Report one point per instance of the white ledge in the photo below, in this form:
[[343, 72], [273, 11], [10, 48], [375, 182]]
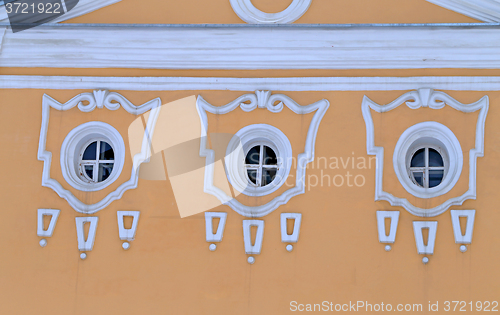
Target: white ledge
[[263, 47], [452, 83]]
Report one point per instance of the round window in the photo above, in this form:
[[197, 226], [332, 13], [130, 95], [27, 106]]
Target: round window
[[261, 165], [428, 159], [92, 156], [426, 167], [258, 160], [96, 161]]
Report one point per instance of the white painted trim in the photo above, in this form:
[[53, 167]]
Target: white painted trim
[[435, 100], [98, 99], [86, 244], [54, 213], [419, 237], [83, 7], [252, 47], [242, 142], [256, 248], [73, 145], [123, 233], [457, 231], [426, 133], [250, 14], [261, 101], [471, 83], [482, 10], [294, 237], [210, 235], [381, 216]]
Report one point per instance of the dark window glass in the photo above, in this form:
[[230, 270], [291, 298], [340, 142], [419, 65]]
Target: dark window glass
[[252, 175], [435, 177], [104, 171], [269, 156], [435, 159], [89, 170], [418, 159], [106, 152], [253, 155], [90, 151], [268, 176], [419, 178]]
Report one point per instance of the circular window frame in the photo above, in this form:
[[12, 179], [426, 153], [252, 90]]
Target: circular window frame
[[415, 148], [238, 147], [74, 145], [81, 169], [433, 135]]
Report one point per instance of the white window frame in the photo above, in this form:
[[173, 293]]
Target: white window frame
[[428, 134], [426, 168], [259, 167], [74, 145], [95, 163], [237, 149]]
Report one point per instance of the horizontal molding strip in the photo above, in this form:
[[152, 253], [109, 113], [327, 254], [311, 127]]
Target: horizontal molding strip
[[246, 48], [451, 83]]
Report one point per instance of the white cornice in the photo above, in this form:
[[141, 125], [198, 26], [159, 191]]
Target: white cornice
[[482, 10], [252, 47], [450, 83]]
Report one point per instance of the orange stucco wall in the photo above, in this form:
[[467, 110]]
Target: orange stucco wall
[[169, 269]]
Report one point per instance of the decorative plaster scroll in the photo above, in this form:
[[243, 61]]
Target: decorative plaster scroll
[[127, 234], [264, 100], [381, 216], [86, 244], [472, 83], [265, 47], [435, 100], [294, 237], [54, 215], [483, 10], [465, 238], [250, 14], [210, 235], [97, 99], [418, 226]]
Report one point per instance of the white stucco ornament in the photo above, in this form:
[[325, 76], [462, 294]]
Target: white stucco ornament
[[250, 14], [426, 97], [274, 103], [97, 99]]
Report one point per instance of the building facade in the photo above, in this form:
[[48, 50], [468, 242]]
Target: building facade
[[251, 157]]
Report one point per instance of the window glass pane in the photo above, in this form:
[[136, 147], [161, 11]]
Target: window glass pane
[[106, 153], [418, 159], [268, 176], [253, 155], [418, 177], [435, 159], [89, 170], [269, 156], [90, 151], [104, 171], [435, 177], [252, 175]]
